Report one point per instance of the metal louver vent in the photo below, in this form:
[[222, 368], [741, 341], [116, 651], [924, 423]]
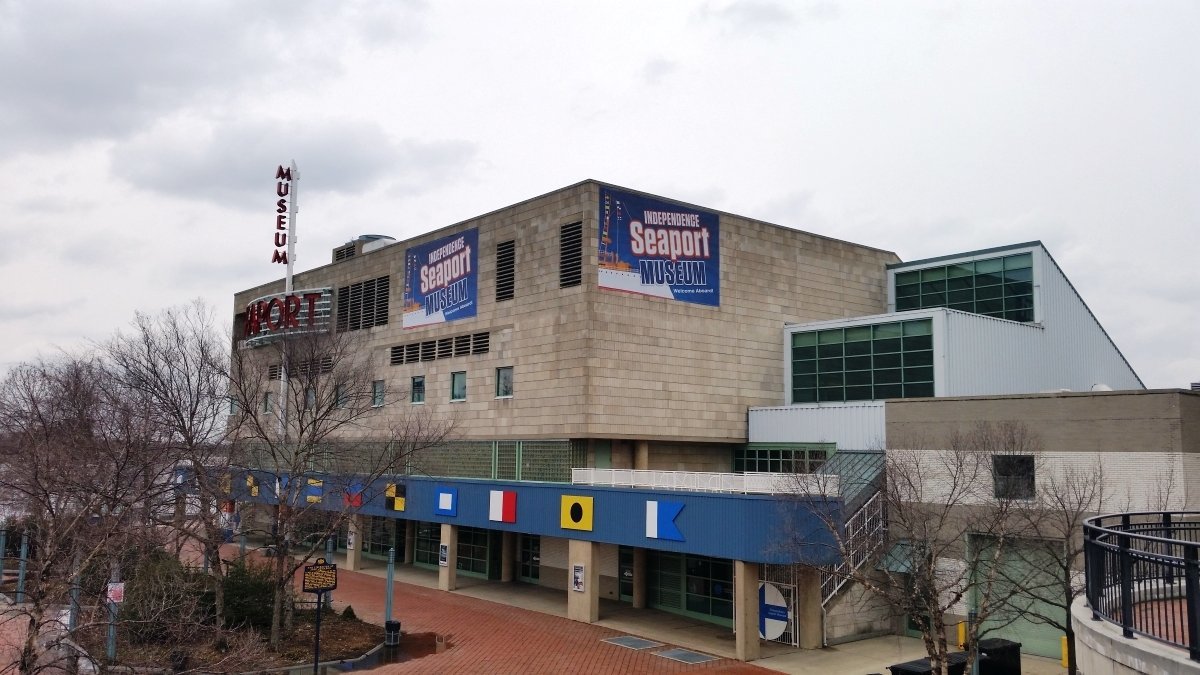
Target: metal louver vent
[[570, 265]]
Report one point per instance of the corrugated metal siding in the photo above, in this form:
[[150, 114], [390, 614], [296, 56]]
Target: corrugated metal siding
[[852, 426], [1068, 349]]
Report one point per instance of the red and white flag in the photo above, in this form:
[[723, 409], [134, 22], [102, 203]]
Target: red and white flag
[[503, 506]]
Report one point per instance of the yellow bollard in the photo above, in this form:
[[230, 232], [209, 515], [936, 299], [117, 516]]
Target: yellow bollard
[[962, 634], [1064, 652]]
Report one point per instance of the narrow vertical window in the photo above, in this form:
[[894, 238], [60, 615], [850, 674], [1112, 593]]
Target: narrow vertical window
[[233, 406], [310, 398], [341, 398], [268, 403], [458, 386], [570, 264], [506, 270], [418, 389], [377, 393], [504, 382]]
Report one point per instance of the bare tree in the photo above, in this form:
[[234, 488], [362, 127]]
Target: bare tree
[[177, 362], [81, 463], [316, 435], [947, 531]]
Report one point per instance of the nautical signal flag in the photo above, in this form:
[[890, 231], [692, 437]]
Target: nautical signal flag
[[394, 497], [660, 520], [312, 491], [575, 513], [446, 501], [352, 496], [252, 485], [502, 506]]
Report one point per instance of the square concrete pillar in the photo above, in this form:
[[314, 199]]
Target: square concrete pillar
[[583, 604], [448, 575], [745, 610], [641, 455], [808, 608], [639, 578], [508, 556], [410, 541], [354, 542]]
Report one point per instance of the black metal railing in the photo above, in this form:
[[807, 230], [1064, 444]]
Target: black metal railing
[[1143, 574]]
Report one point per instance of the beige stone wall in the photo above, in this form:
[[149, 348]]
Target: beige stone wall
[[591, 363], [1163, 421]]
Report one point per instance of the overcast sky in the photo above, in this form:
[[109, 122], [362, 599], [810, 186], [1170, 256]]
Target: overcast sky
[[138, 140]]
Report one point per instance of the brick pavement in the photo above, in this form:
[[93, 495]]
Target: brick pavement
[[488, 637]]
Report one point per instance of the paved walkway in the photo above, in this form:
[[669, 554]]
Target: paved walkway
[[492, 627]]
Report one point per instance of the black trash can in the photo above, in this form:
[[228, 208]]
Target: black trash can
[[391, 633], [1003, 657], [957, 662]]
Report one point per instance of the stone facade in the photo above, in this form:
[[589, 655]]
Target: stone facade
[[591, 363]]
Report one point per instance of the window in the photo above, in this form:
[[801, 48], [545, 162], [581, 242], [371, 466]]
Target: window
[[233, 406], [570, 263], [458, 386], [863, 363], [418, 389], [363, 305], [310, 398], [999, 287], [268, 403], [504, 382], [782, 458], [341, 398], [377, 390], [506, 265], [1013, 476]]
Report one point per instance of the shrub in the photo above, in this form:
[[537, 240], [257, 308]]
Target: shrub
[[248, 595], [348, 613]]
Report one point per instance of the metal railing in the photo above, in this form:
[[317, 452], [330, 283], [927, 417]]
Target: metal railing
[[1143, 574], [864, 534], [709, 481]]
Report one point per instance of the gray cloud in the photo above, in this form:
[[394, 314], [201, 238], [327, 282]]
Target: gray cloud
[[750, 15], [657, 69], [234, 164], [78, 70]]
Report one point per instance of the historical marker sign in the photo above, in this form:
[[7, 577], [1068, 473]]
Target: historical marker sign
[[320, 577]]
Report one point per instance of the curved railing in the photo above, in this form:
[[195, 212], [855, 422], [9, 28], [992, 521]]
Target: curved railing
[[1143, 574]]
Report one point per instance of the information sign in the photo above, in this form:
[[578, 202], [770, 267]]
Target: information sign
[[320, 577]]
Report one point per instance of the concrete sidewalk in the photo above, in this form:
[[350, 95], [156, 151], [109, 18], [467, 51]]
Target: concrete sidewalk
[[495, 627]]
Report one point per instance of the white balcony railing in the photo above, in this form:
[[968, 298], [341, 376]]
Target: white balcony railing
[[708, 481]]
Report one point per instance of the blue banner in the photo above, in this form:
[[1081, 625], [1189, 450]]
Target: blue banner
[[651, 247], [441, 280]]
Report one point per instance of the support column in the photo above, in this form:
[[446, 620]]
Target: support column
[[583, 605], [448, 575], [641, 455], [410, 541], [745, 609], [808, 608], [639, 578], [508, 556], [354, 542]]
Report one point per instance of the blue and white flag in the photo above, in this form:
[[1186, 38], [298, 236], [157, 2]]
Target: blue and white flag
[[660, 520]]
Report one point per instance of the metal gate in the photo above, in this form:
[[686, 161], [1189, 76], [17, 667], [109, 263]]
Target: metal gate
[[783, 578]]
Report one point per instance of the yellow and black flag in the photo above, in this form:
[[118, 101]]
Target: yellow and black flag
[[394, 497], [252, 485], [575, 513]]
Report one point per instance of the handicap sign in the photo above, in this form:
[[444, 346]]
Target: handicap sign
[[773, 613]]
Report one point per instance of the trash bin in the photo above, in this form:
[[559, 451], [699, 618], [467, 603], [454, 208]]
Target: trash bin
[[957, 662], [1003, 657], [391, 633]]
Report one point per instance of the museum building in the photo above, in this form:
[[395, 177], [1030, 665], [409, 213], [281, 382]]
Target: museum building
[[615, 364]]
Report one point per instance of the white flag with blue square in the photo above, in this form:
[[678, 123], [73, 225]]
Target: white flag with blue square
[[660, 520]]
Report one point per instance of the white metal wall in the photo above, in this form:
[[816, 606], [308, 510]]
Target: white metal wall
[[852, 426]]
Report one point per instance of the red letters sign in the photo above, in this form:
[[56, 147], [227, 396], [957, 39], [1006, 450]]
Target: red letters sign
[[283, 187], [277, 315]]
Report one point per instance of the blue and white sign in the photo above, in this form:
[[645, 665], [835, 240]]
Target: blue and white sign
[[656, 248], [441, 280], [773, 612], [660, 520], [446, 501]]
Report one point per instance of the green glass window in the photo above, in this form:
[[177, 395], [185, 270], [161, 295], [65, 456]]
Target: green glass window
[[999, 287], [781, 458], [458, 386], [863, 363]]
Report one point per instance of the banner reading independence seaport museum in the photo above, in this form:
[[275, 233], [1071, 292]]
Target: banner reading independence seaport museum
[[656, 248], [441, 281]]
